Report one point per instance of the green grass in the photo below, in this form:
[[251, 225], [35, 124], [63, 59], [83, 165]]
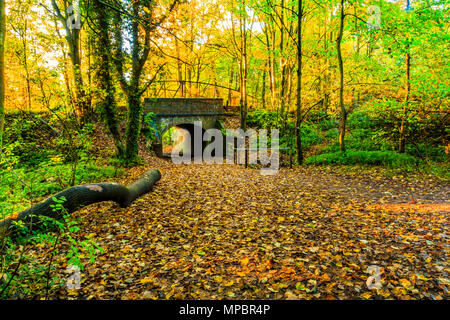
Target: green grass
[[384, 158], [392, 161], [19, 187]]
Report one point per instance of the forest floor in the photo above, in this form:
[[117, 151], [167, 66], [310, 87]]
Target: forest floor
[[227, 232]]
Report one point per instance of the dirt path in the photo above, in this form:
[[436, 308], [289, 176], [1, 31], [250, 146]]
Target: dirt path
[[223, 232]]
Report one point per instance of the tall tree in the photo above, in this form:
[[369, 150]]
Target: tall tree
[[243, 69], [138, 19], [299, 82], [401, 148], [21, 30], [69, 14], [343, 120], [402, 140], [102, 60], [2, 70], [270, 45]]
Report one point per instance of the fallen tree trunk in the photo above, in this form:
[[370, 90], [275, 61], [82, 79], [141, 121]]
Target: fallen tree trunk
[[80, 196]]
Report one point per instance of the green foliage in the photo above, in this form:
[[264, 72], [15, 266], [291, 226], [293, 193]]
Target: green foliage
[[374, 130], [385, 158], [29, 278], [440, 170], [263, 119], [30, 143], [331, 134], [310, 136], [17, 186], [269, 119], [68, 228], [167, 137], [149, 129], [361, 120], [427, 151], [36, 163], [26, 141], [76, 146], [323, 120], [371, 138]]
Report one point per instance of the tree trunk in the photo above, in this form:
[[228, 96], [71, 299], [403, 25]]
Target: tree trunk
[[107, 101], [230, 82], [270, 64], [83, 100], [133, 127], [2, 70], [299, 84], [401, 148], [69, 94], [83, 195], [263, 89], [131, 81], [343, 121], [283, 64], [243, 68], [23, 35], [179, 69]]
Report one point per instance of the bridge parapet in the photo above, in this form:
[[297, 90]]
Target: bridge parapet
[[184, 106]]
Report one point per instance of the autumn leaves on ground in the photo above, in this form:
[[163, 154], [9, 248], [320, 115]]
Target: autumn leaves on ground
[[226, 232]]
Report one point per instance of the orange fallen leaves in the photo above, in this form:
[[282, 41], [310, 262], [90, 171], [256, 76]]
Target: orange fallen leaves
[[244, 261], [412, 207], [220, 232]]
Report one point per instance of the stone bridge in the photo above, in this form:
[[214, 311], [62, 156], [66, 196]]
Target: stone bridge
[[183, 113]]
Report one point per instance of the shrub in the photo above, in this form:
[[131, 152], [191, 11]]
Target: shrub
[[385, 158], [310, 136], [26, 141], [77, 146], [361, 120], [328, 124], [316, 116], [331, 134], [428, 151], [262, 119], [149, 129], [367, 140], [324, 121], [27, 277]]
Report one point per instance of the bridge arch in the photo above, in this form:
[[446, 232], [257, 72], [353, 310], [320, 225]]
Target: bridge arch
[[182, 138], [185, 114]]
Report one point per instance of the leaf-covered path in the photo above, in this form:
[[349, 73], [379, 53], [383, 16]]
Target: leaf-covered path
[[223, 232], [226, 232]]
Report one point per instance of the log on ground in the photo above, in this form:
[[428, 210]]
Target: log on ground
[[80, 196]]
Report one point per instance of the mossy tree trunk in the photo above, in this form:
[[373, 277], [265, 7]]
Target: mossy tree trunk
[[133, 127], [102, 48], [75, 198], [140, 33], [111, 19]]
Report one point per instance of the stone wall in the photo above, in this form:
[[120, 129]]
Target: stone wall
[[183, 105]]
